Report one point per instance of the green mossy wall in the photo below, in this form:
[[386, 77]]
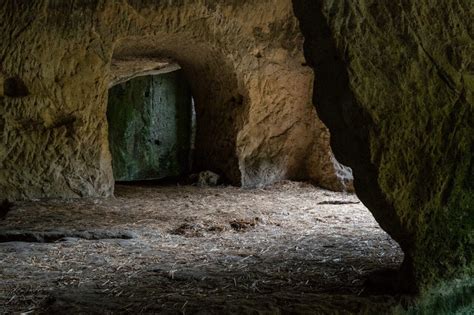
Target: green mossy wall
[[453, 297], [150, 121]]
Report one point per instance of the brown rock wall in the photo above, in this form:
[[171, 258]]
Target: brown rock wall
[[244, 60]]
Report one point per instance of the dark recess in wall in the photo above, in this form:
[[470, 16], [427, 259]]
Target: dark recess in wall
[[150, 127], [15, 87]]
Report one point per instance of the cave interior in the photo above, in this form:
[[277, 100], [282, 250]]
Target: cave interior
[[234, 157]]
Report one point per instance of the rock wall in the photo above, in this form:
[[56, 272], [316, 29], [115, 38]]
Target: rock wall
[[150, 121], [54, 135], [244, 60], [395, 85]]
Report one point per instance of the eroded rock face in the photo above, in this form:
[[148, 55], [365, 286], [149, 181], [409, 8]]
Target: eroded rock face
[[394, 84], [123, 70], [255, 120]]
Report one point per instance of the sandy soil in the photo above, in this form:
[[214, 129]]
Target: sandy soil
[[289, 248]]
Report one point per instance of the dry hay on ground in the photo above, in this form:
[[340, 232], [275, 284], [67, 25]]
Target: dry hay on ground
[[290, 248]]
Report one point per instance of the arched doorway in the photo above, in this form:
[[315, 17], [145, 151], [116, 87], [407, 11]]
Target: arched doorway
[[151, 127]]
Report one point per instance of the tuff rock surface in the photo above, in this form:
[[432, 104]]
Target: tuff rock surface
[[244, 61], [395, 85]]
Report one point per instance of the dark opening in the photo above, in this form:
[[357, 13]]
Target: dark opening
[[151, 127], [15, 87]]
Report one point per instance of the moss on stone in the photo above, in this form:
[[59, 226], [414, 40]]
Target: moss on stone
[[150, 127], [454, 297]]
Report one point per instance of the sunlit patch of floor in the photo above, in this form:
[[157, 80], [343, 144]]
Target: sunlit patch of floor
[[287, 248]]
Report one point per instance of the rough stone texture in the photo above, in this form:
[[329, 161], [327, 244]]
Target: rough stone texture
[[394, 84], [329, 172], [244, 60], [122, 70], [150, 121]]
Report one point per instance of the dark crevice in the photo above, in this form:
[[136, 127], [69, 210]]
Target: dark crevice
[[5, 208], [15, 87], [54, 236]]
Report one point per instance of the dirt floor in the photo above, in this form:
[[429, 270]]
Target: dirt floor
[[289, 248]]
